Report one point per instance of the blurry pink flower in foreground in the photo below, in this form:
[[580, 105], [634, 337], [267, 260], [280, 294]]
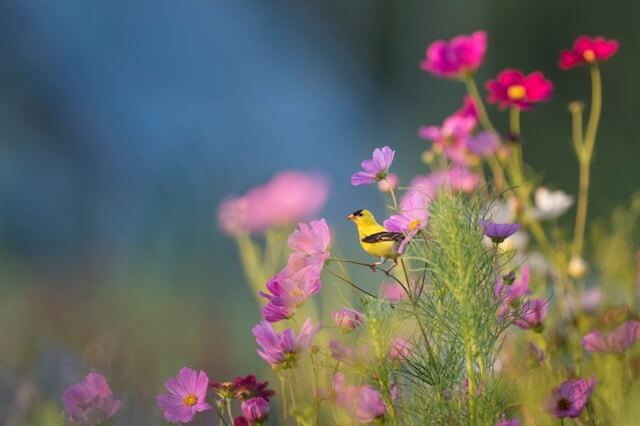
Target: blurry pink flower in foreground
[[363, 402], [375, 169], [282, 350], [483, 144], [616, 342], [451, 137], [289, 197], [587, 50], [570, 398], [392, 291], [468, 109], [512, 88], [399, 349], [90, 402], [510, 294], [455, 58], [186, 397], [300, 278]]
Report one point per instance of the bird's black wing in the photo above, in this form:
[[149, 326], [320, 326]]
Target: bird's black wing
[[383, 236]]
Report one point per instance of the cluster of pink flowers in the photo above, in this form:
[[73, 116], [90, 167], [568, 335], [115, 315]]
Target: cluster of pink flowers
[[364, 403], [289, 197], [300, 278], [90, 402]]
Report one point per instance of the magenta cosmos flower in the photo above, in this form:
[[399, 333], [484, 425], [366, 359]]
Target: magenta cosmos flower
[[289, 197], [616, 342], [513, 88], [186, 397], [282, 350], [90, 402], [498, 232], [300, 278], [587, 50], [347, 319], [570, 398], [533, 313], [255, 410], [376, 169], [456, 58]]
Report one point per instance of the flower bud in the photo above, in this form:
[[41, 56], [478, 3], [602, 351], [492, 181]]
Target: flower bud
[[347, 319], [389, 183], [255, 410], [577, 267]]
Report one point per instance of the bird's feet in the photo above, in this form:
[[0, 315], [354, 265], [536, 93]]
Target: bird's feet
[[374, 267]]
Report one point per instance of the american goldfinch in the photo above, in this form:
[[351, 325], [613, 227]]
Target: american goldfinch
[[374, 238]]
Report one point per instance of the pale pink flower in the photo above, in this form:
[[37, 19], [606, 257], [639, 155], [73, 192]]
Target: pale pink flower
[[90, 402], [616, 342], [186, 397]]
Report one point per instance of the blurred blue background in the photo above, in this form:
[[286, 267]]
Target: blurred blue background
[[124, 124]]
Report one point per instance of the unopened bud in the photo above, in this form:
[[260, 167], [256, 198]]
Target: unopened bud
[[577, 267]]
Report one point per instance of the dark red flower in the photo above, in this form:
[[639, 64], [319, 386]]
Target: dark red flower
[[587, 50], [512, 88], [242, 388]]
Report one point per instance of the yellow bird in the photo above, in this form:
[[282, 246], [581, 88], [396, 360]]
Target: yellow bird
[[374, 238]]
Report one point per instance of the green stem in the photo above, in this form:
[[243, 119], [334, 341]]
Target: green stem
[[283, 397], [472, 89], [351, 283], [393, 195], [228, 404], [584, 158]]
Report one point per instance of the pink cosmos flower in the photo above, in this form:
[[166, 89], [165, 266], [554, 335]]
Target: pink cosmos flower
[[513, 88], [282, 350], [347, 319], [90, 402], [300, 278], [533, 313], [587, 50], [289, 290], [311, 240], [400, 349], [289, 197], [616, 342], [570, 398], [516, 289], [186, 397], [255, 410], [363, 402], [451, 137], [455, 58], [511, 293], [376, 169]]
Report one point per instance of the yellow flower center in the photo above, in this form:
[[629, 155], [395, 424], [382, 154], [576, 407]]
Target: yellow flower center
[[190, 400], [414, 225], [295, 293], [516, 92], [589, 55]]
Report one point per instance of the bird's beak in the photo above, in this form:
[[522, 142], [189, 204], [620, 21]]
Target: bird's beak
[[351, 217]]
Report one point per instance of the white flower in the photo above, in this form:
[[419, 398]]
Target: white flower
[[551, 204]]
